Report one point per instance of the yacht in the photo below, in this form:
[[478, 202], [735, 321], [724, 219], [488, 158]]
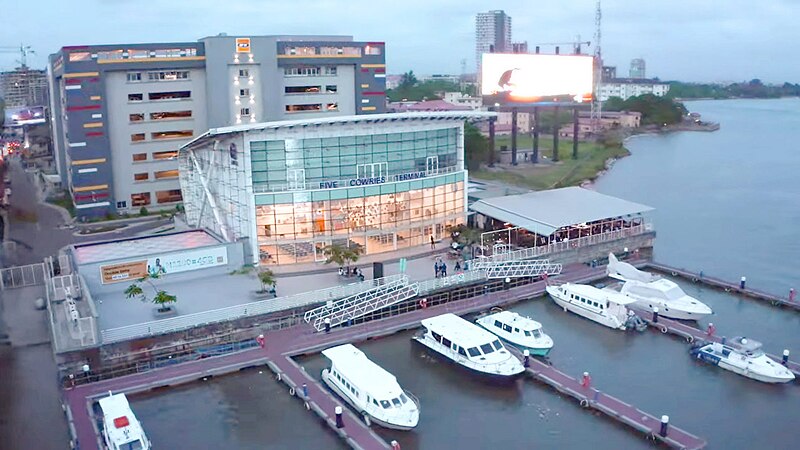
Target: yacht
[[602, 306], [747, 360], [121, 430], [468, 345], [369, 388], [651, 291], [520, 331]]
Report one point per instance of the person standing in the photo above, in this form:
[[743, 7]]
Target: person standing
[[433, 243], [436, 268], [443, 269]]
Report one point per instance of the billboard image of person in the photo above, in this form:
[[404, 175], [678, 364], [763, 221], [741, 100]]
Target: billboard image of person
[[510, 79], [16, 117]]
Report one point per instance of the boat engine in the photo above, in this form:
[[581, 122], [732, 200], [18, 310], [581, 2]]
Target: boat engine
[[635, 322]]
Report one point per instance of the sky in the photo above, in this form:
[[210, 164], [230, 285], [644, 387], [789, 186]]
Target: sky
[[688, 40]]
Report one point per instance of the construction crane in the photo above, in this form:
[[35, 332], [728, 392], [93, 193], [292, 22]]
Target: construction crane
[[576, 45], [22, 50]]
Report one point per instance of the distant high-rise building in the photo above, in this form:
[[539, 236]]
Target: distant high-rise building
[[519, 47], [492, 34], [609, 73], [24, 86], [637, 68]]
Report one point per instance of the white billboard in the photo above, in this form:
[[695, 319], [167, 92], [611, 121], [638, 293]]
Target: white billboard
[[164, 264], [524, 79]]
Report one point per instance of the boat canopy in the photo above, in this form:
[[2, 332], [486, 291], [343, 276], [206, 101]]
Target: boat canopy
[[747, 344], [626, 272], [120, 423], [516, 320], [362, 372], [459, 331]]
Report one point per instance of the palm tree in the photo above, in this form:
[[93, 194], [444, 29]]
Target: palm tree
[[161, 297], [267, 278], [134, 290]]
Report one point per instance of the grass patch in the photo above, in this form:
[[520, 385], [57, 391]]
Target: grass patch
[[567, 172], [64, 201]]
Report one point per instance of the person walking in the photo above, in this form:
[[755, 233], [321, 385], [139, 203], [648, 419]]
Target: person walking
[[457, 268], [433, 243], [436, 268], [443, 269]]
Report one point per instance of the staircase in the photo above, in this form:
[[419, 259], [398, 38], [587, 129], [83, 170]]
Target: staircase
[[517, 269], [357, 305]]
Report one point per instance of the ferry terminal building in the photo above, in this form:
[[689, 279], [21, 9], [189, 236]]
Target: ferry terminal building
[[288, 189]]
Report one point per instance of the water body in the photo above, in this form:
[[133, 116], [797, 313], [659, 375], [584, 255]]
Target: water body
[[725, 203]]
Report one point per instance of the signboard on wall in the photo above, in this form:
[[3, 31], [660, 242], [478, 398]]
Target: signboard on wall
[[164, 265], [242, 45]]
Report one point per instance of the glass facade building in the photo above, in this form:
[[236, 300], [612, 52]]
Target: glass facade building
[[382, 183]]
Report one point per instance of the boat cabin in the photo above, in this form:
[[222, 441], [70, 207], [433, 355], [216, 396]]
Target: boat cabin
[[463, 337], [121, 430], [516, 325]]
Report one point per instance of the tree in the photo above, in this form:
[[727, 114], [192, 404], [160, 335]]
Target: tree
[[476, 146], [267, 278], [466, 236], [160, 297], [408, 80], [341, 255]]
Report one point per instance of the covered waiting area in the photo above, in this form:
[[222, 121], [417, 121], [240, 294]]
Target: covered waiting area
[[567, 217]]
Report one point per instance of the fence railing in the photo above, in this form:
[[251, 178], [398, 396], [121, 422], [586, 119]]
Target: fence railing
[[21, 276], [468, 276], [555, 247], [239, 311]]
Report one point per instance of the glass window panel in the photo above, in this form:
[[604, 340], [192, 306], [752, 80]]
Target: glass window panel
[[387, 188], [402, 186], [312, 174], [258, 145], [272, 145], [416, 184], [266, 199], [276, 175], [330, 142], [330, 171], [355, 192], [259, 166], [372, 190], [338, 194], [259, 177], [320, 195], [428, 182], [283, 198], [258, 155], [344, 140], [312, 143]]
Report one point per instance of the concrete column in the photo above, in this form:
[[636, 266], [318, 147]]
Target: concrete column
[[514, 136], [555, 135], [575, 129]]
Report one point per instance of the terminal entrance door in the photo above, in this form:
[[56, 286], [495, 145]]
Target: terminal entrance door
[[319, 250]]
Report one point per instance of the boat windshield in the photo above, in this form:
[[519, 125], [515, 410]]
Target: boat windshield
[[487, 348], [403, 398], [754, 353], [132, 445], [386, 404], [497, 345], [674, 293], [474, 352], [396, 402], [535, 333]]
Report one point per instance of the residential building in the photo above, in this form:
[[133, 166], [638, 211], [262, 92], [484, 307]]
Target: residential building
[[492, 34], [23, 87], [609, 73], [609, 120], [289, 189], [455, 79], [120, 112], [629, 87], [638, 68], [519, 47], [460, 99]]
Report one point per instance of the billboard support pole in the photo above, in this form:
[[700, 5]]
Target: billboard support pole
[[575, 133], [514, 137], [491, 140], [535, 154], [555, 135]]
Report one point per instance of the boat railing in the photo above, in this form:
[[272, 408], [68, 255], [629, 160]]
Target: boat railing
[[414, 399]]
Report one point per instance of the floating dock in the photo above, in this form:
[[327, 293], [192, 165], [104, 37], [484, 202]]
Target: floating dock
[[774, 300], [694, 334], [281, 345]]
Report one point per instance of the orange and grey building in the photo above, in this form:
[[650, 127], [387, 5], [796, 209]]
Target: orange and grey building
[[120, 112]]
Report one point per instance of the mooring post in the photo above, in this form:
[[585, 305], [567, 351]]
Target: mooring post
[[339, 418], [655, 314], [792, 294], [507, 283], [526, 355], [664, 426], [305, 391], [327, 325], [742, 282], [785, 359]]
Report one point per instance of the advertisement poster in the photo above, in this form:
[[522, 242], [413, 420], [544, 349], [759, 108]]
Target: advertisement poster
[[524, 79], [164, 265]]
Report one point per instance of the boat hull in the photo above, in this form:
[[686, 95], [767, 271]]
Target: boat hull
[[341, 394], [668, 311], [534, 350], [741, 370], [591, 315]]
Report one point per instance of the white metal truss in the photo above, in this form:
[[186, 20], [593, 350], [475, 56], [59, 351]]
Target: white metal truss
[[337, 293], [364, 303], [517, 269]]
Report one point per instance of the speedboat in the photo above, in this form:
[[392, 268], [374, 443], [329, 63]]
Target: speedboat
[[602, 306], [747, 360], [468, 345], [651, 291], [369, 388], [520, 331], [121, 430]]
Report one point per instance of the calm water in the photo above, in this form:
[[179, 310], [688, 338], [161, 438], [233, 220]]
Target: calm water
[[727, 203]]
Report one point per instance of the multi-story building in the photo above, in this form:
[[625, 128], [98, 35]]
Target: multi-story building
[[638, 69], [289, 189], [609, 73], [629, 87], [492, 34], [120, 112], [23, 87], [519, 47]]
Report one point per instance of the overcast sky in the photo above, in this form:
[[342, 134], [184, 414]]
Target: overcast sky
[[692, 40]]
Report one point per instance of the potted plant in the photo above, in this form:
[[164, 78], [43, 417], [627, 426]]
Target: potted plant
[[160, 298], [267, 278]]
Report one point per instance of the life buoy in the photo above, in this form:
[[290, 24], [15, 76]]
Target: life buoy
[[585, 403], [674, 274], [423, 303], [664, 330], [690, 339]]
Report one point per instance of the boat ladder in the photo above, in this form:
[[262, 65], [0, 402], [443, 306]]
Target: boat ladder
[[517, 269], [340, 311]]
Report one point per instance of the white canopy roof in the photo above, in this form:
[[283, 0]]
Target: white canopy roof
[[362, 372], [544, 212], [459, 331]]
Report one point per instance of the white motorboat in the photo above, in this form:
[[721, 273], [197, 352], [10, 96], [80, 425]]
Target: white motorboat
[[468, 345], [523, 332], [121, 430], [746, 359], [651, 291], [602, 306], [369, 388]]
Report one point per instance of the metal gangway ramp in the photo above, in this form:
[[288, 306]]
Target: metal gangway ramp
[[340, 311], [518, 268]]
